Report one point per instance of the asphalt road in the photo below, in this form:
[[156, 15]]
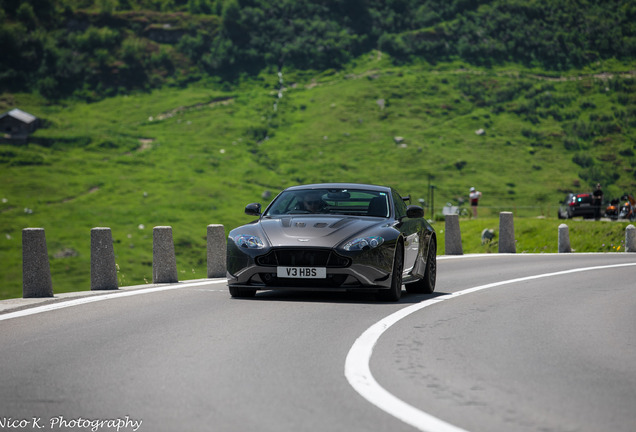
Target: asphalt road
[[495, 349]]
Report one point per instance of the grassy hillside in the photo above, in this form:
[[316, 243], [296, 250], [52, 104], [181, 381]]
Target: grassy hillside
[[189, 157]]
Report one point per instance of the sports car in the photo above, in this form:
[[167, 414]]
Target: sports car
[[336, 237]]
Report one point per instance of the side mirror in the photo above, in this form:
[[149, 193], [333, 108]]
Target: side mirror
[[253, 209], [414, 211]]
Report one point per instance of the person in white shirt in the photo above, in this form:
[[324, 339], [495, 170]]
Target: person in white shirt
[[474, 196]]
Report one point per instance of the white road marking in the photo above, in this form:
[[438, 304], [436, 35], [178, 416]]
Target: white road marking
[[358, 372], [95, 298]]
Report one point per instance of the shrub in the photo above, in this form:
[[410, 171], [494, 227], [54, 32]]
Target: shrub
[[583, 160], [571, 144]]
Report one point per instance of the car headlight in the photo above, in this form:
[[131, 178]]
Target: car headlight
[[363, 243], [248, 241]]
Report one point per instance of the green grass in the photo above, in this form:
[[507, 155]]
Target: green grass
[[539, 235], [189, 157]]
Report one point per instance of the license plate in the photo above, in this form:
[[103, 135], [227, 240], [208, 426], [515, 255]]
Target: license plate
[[302, 272]]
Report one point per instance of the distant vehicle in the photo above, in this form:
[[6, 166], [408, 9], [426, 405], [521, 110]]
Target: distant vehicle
[[623, 208], [334, 237], [577, 204], [450, 209], [611, 211]]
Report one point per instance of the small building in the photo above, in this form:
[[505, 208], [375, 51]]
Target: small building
[[16, 125]]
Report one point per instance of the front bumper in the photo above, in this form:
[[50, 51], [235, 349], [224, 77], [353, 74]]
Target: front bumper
[[366, 270]]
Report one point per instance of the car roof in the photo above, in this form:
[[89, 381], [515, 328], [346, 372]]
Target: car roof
[[340, 186]]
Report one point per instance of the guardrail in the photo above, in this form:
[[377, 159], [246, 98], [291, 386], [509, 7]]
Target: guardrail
[[37, 273]]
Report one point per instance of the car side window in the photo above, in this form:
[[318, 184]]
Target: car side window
[[399, 205], [283, 205]]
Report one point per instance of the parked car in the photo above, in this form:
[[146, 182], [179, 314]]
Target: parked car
[[334, 237], [577, 204]]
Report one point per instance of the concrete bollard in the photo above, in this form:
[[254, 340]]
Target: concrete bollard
[[216, 251], [564, 239], [507, 233], [36, 270], [103, 267], [453, 235], [630, 238], [164, 262]]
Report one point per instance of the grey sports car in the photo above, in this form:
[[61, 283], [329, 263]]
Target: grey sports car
[[336, 237]]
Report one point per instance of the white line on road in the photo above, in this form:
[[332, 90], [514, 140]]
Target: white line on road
[[358, 372], [114, 295]]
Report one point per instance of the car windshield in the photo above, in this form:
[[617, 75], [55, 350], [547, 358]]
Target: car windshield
[[356, 202]]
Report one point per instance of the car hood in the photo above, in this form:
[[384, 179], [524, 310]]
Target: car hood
[[314, 231]]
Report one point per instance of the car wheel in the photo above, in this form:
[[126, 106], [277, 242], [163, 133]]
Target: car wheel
[[395, 292], [242, 292], [426, 285]]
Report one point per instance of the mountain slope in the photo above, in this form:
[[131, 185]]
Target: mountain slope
[[194, 156]]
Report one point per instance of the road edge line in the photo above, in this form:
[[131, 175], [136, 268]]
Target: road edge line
[[358, 372], [115, 294]]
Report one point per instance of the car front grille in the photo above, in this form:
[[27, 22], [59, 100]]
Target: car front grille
[[303, 258]]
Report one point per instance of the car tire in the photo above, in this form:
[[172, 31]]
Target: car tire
[[426, 285], [238, 292], [394, 293]]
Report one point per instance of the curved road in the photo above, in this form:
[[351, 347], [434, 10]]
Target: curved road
[[495, 349]]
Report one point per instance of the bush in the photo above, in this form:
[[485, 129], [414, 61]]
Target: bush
[[583, 160], [571, 144]]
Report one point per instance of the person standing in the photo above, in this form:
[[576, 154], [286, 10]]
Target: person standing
[[474, 197], [597, 201]]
